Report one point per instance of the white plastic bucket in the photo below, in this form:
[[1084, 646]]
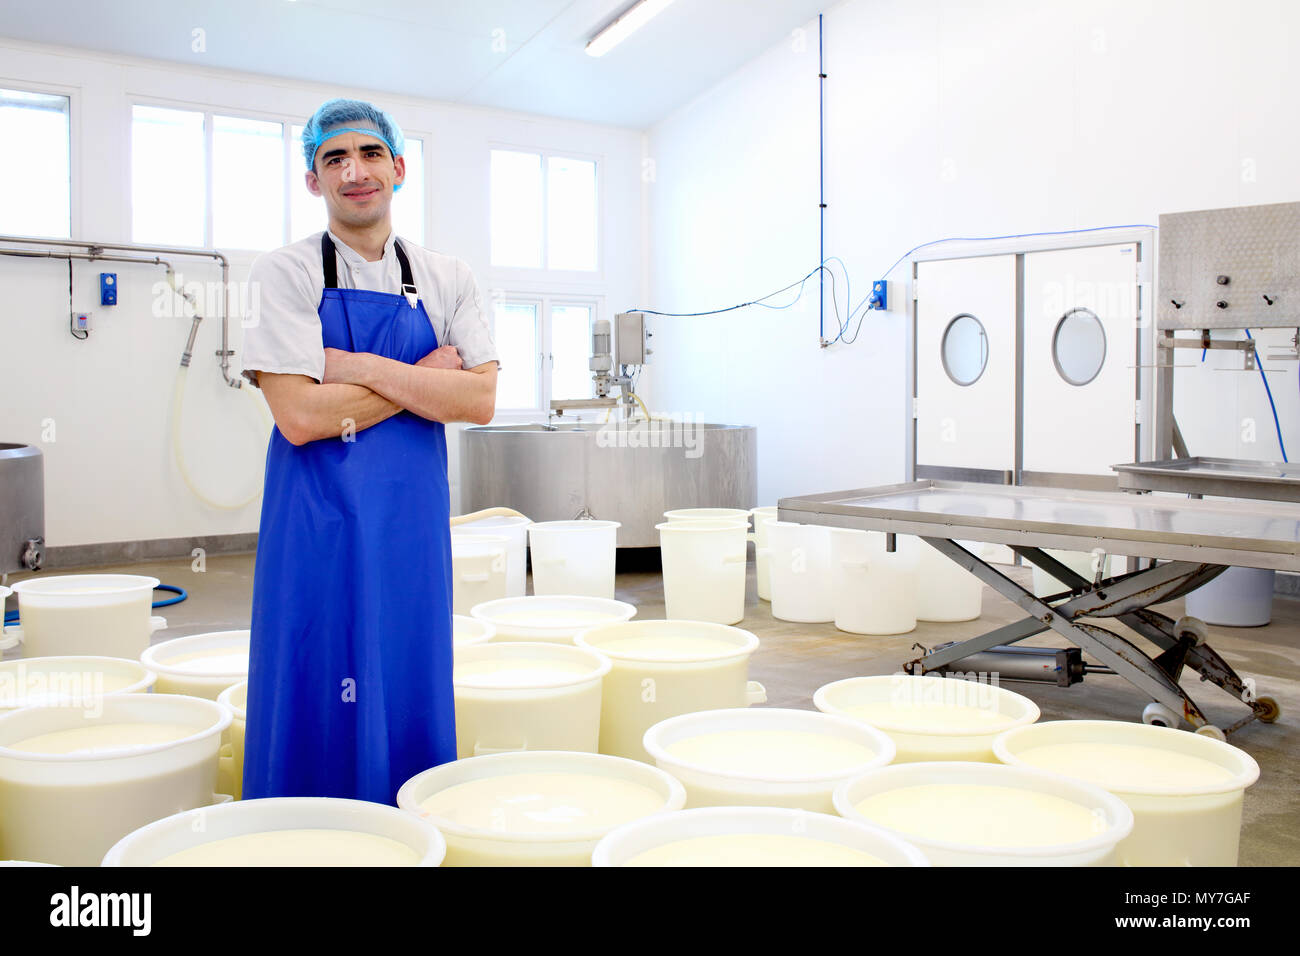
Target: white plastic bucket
[[347, 833], [1239, 597], [79, 681], [69, 808], [763, 550], [235, 698], [800, 570], [555, 618], [708, 514], [478, 569], [742, 836], [930, 718], [1187, 823], [945, 591], [704, 569], [101, 615], [527, 696], [1083, 563], [574, 557], [750, 756], [201, 665], [518, 825], [874, 590], [467, 631], [953, 824], [661, 669], [514, 528]]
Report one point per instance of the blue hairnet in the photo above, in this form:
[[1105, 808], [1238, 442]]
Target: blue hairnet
[[350, 116]]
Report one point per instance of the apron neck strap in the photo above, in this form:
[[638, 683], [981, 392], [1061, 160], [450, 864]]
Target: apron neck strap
[[329, 264]]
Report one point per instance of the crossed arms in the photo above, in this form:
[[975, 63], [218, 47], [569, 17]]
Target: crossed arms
[[365, 389]]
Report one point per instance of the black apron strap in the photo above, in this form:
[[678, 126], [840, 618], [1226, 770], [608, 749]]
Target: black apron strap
[[408, 280], [328, 261]]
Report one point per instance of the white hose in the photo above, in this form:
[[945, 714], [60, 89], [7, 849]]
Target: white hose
[[178, 405]]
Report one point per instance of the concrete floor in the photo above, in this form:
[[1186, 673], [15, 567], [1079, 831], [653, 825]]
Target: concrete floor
[[793, 660]]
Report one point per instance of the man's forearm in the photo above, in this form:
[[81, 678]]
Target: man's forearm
[[438, 394], [330, 411]]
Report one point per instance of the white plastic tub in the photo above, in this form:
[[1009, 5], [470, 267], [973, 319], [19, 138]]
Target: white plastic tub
[[478, 569], [1192, 817], [514, 528], [554, 618], [1239, 597], [100, 615], [527, 696], [79, 681], [704, 569], [800, 570], [540, 808], [945, 591], [69, 808], [979, 814], [201, 665], [765, 757], [1083, 563], [574, 557], [235, 698], [930, 718], [467, 631], [752, 836], [874, 590], [661, 669], [270, 832], [708, 514], [763, 550]]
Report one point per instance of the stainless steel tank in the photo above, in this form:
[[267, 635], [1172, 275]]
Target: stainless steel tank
[[620, 472], [22, 508]]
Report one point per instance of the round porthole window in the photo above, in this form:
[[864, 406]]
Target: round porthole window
[[964, 349], [1079, 346]]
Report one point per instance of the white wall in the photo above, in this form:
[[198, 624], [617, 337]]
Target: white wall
[[946, 118], [109, 398]]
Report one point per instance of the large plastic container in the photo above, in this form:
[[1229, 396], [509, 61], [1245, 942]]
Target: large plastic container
[[704, 569], [874, 590], [99, 615], [574, 557], [763, 550], [467, 631], [945, 591], [661, 669], [253, 833], [1191, 817], [514, 528], [69, 808], [235, 698], [201, 665], [527, 696], [554, 618], [800, 570], [978, 814], [540, 808], [930, 718], [478, 569], [752, 836], [1083, 563], [765, 757], [80, 681], [1239, 597], [708, 514]]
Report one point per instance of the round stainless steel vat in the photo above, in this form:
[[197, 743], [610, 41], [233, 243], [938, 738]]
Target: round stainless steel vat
[[619, 472]]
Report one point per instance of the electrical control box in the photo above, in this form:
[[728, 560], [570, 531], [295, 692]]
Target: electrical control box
[[879, 296], [631, 338], [81, 321], [108, 288]]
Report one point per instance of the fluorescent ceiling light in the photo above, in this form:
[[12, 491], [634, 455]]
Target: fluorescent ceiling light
[[631, 20]]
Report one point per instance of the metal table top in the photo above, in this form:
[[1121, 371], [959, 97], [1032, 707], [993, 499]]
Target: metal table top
[[1221, 477], [1252, 534]]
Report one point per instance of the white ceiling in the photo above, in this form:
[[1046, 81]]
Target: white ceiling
[[522, 55]]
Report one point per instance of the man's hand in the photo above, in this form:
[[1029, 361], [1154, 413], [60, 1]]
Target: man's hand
[[445, 357]]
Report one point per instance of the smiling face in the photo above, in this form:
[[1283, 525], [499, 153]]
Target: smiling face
[[355, 174]]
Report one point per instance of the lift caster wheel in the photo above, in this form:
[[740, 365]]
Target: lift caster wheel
[[1266, 710], [1158, 715], [1193, 626], [1209, 730]]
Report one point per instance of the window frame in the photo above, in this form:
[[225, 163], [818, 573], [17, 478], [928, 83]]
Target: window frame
[[73, 95], [545, 300]]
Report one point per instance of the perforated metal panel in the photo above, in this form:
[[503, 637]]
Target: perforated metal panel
[[1257, 248]]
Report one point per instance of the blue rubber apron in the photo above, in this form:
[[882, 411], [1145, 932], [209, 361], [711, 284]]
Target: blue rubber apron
[[349, 690]]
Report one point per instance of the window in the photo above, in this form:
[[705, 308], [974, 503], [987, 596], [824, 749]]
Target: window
[[544, 343], [41, 203], [247, 183], [168, 180], [543, 211]]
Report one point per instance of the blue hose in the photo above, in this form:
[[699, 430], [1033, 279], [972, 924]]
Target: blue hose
[[1269, 392]]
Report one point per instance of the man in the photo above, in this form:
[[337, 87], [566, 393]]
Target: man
[[363, 345]]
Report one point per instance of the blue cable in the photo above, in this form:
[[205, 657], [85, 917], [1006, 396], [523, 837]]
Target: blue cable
[[11, 617], [1269, 392]]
